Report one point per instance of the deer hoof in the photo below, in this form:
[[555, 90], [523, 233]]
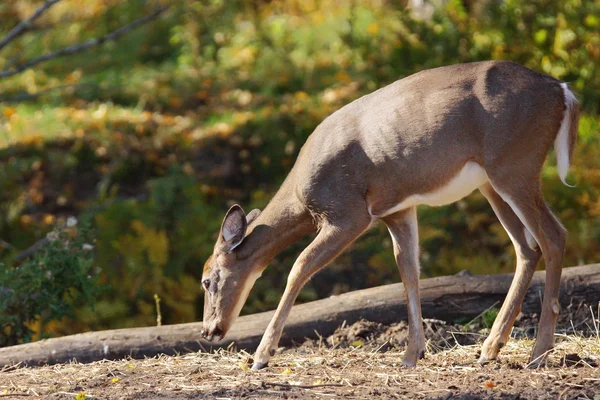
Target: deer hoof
[[259, 365], [483, 360]]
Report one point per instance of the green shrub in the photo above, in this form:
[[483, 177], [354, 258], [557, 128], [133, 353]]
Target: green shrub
[[47, 287]]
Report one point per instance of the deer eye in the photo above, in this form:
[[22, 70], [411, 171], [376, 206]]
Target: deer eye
[[206, 284]]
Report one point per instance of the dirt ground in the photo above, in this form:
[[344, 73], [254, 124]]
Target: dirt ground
[[359, 361]]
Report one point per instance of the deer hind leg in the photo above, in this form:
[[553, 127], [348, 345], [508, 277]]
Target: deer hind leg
[[403, 228], [329, 242], [528, 256], [532, 210]]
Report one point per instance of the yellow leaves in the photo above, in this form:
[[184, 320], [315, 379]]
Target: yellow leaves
[[100, 113], [115, 380], [287, 371], [342, 76], [80, 396], [345, 92], [222, 129], [73, 77], [34, 139], [154, 242], [308, 6], [300, 96], [240, 118], [145, 246], [48, 219], [373, 29], [244, 366], [246, 55], [8, 112], [317, 17], [357, 343]]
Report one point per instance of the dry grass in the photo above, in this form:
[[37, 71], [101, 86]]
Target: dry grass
[[321, 372]]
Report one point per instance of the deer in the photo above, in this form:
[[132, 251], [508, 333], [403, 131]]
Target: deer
[[431, 139]]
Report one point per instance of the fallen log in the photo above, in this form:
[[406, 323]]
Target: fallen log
[[447, 298]]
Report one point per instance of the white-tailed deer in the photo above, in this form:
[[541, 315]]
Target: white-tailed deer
[[431, 138]]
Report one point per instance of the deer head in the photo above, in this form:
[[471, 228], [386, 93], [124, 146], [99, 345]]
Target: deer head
[[228, 274]]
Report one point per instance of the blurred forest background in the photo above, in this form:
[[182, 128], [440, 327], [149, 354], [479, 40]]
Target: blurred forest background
[[130, 153]]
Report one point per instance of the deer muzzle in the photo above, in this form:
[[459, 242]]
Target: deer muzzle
[[210, 334]]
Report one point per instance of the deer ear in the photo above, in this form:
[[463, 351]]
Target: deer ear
[[252, 215], [233, 228]]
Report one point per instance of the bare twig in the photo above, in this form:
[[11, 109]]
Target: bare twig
[[31, 249], [5, 244], [80, 47], [287, 385], [26, 25], [15, 59], [24, 96], [158, 314]]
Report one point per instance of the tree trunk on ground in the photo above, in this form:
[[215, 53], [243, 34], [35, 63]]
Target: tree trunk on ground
[[446, 298]]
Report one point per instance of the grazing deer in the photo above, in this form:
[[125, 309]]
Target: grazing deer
[[431, 138]]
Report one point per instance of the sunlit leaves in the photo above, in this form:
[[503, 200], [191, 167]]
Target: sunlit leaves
[[157, 135]]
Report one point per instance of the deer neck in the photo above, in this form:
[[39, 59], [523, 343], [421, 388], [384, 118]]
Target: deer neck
[[280, 224]]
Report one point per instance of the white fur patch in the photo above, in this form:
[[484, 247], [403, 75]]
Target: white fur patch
[[530, 239], [529, 236], [244, 295], [561, 143], [496, 211], [413, 303], [470, 177]]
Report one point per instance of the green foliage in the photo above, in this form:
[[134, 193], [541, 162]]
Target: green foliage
[[152, 137], [157, 245], [489, 316], [47, 287], [482, 321]]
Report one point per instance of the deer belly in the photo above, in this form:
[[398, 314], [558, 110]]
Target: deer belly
[[470, 177]]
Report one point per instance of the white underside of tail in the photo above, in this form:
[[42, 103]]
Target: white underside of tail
[[561, 143]]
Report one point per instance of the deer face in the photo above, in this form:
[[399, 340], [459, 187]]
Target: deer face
[[227, 277]]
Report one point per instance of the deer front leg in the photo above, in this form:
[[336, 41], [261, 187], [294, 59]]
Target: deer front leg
[[405, 235], [330, 241]]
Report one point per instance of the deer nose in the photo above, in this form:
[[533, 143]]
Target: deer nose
[[210, 334], [218, 332]]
